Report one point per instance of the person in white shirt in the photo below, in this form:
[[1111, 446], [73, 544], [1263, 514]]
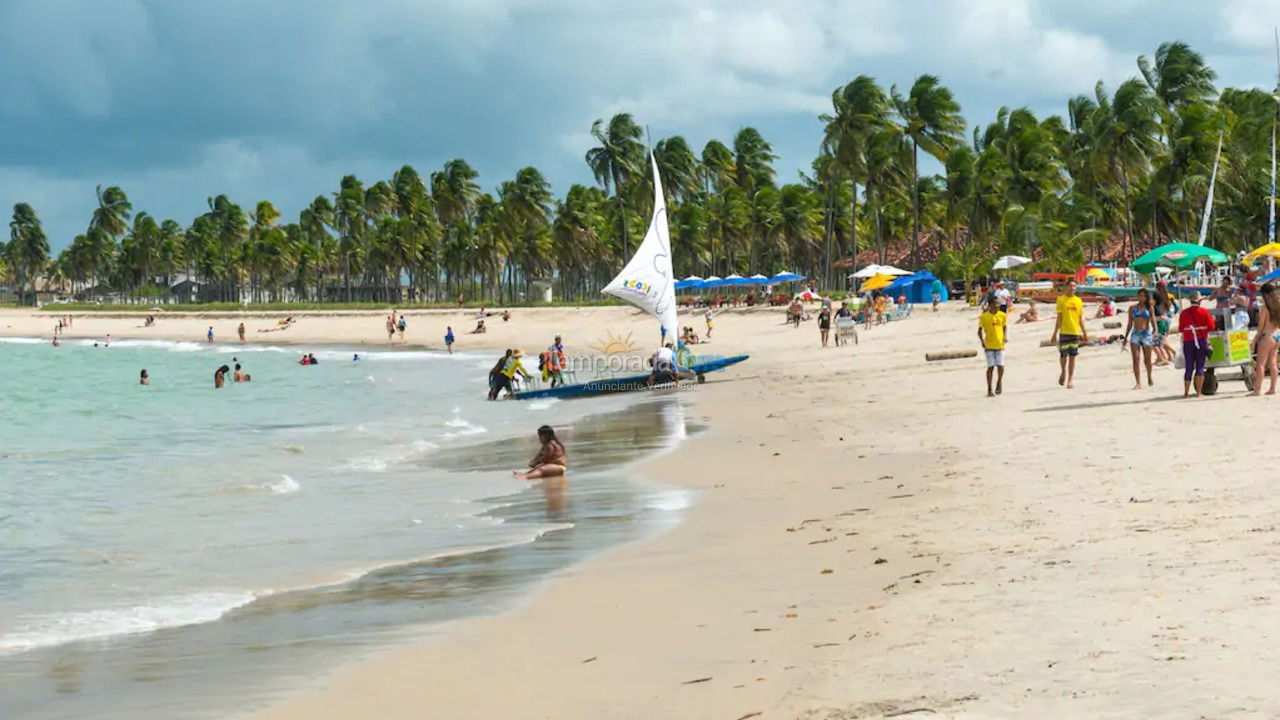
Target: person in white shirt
[[664, 366], [1003, 297]]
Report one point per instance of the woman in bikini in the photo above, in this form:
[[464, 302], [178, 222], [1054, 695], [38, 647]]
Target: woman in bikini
[[550, 461], [1140, 336], [1268, 338]]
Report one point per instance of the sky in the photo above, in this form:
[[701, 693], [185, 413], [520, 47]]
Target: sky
[[179, 100]]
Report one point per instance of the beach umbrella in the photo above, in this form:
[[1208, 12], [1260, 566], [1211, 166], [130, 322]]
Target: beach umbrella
[[1271, 275], [1177, 255], [790, 277], [891, 270], [712, 281], [757, 279], [1007, 262], [881, 281], [808, 296], [734, 279], [692, 278], [869, 271], [1097, 274], [1270, 250]]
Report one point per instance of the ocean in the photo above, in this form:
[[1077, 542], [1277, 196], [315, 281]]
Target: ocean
[[179, 551]]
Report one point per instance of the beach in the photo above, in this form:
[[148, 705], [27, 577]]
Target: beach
[[869, 536]]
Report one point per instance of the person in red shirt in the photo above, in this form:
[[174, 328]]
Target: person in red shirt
[[1195, 323]]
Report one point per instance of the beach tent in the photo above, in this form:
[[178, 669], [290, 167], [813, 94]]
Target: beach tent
[[879, 282], [1177, 255], [788, 277], [917, 288], [1270, 250]]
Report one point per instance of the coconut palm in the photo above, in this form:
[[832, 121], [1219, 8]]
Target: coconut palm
[[617, 161], [27, 252], [930, 116]]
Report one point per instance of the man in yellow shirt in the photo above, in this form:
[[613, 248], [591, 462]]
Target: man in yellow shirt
[[992, 328], [1069, 332]]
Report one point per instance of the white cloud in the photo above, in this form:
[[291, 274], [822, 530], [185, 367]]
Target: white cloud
[[1249, 22]]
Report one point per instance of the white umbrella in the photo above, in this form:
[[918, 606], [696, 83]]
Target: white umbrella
[[692, 278], [866, 272], [1010, 261]]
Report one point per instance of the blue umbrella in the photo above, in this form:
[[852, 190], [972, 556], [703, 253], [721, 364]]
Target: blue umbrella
[[1271, 275]]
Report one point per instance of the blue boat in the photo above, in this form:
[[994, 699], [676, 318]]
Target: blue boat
[[630, 383]]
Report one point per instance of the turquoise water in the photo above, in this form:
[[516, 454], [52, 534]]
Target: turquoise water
[[136, 521]]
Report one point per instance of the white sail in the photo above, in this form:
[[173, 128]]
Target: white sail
[[1213, 179], [647, 280]]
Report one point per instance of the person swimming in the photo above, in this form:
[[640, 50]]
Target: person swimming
[[355, 357], [144, 379], [220, 376], [311, 358], [551, 460], [240, 376]]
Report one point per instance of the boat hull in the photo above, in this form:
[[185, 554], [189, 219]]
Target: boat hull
[[631, 383]]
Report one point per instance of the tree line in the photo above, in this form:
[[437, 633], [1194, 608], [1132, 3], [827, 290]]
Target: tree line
[[1121, 170]]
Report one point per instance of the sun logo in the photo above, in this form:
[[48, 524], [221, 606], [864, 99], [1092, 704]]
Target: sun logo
[[614, 344]]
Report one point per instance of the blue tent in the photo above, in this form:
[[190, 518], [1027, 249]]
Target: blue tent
[[917, 288]]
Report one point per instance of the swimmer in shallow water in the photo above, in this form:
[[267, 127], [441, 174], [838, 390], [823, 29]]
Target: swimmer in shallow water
[[240, 376], [144, 379], [220, 376], [551, 460]]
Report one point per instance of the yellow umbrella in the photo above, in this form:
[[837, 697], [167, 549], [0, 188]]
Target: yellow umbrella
[[878, 282], [1097, 274], [1271, 250]]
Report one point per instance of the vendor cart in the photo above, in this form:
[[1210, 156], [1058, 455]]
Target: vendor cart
[[1230, 348]]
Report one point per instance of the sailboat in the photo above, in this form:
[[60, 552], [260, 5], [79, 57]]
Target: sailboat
[[647, 282]]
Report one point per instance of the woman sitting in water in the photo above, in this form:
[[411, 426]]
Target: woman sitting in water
[[550, 461]]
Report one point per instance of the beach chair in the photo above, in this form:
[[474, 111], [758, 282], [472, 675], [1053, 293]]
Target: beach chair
[[901, 311], [846, 327]]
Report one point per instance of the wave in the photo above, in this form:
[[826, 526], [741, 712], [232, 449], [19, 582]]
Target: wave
[[463, 426], [380, 463], [542, 404], [284, 486], [670, 500], [24, 341], [165, 612]]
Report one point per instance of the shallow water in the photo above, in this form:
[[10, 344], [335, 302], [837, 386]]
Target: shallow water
[[159, 545]]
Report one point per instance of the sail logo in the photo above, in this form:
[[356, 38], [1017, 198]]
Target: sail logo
[[638, 286]]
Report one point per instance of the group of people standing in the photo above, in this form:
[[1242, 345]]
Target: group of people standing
[[1150, 321]]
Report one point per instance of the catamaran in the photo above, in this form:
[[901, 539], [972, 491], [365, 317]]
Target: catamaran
[[648, 282]]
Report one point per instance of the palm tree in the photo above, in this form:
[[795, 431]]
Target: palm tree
[[930, 116], [1127, 136], [27, 253], [349, 221], [678, 168], [618, 160], [860, 110]]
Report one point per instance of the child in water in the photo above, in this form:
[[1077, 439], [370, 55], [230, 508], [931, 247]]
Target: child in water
[[550, 461]]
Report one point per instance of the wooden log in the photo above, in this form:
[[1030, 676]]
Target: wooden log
[[1111, 325], [1047, 343], [950, 355]]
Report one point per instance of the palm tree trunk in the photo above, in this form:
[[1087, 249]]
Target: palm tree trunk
[[1128, 215], [915, 206], [853, 227]]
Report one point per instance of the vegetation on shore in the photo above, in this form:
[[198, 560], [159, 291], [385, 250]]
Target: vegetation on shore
[[1129, 163]]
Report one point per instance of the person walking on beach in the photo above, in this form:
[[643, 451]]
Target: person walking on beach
[[400, 326], [1140, 336], [993, 326], [240, 332], [937, 293], [1268, 338], [391, 328], [551, 459], [707, 316], [448, 338], [824, 324], [209, 335], [1004, 297], [1195, 323], [1069, 332]]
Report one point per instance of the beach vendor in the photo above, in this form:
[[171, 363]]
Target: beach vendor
[[1069, 332], [1195, 323], [495, 374], [551, 459]]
